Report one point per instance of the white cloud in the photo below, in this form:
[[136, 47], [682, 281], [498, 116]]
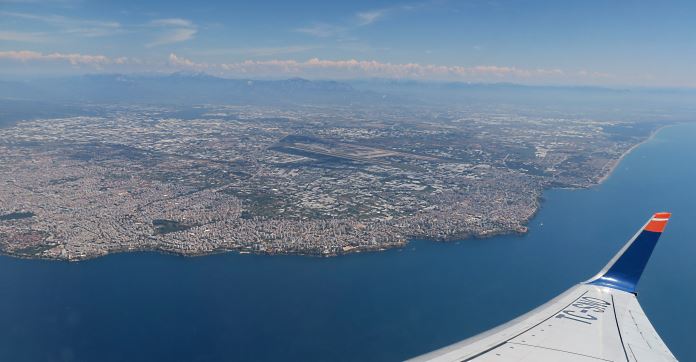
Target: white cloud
[[23, 36], [597, 75], [172, 30], [162, 31], [357, 20], [83, 27], [181, 62], [369, 17], [173, 36], [258, 51], [321, 30], [178, 22], [72, 58]]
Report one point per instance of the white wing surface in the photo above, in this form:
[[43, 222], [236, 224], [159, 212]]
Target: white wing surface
[[598, 320]]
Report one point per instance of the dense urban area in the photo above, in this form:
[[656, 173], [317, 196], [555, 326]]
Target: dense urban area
[[297, 180]]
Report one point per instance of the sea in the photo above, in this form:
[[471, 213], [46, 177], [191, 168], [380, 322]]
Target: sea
[[380, 306]]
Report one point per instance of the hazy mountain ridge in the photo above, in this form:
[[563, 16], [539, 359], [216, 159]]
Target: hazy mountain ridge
[[200, 88], [186, 88]]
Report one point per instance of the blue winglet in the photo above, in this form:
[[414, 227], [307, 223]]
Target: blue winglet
[[624, 270]]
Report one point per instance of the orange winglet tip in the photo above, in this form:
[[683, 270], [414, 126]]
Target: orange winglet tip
[[658, 222], [662, 215]]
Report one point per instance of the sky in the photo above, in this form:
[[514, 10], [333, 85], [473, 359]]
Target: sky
[[611, 43]]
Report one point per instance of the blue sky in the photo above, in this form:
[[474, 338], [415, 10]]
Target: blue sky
[[532, 42]]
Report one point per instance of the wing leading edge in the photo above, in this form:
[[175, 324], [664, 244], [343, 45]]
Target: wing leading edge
[[597, 320]]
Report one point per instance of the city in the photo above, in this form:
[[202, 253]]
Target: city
[[307, 180]]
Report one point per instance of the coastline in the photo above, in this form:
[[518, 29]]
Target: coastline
[[615, 163]]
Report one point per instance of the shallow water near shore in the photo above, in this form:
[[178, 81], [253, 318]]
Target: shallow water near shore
[[380, 306]]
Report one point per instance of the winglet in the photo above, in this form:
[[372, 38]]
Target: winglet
[[624, 270]]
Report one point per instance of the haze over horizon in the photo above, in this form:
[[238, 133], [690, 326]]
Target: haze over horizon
[[534, 43]]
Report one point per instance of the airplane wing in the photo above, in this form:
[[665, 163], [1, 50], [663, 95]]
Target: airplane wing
[[597, 320]]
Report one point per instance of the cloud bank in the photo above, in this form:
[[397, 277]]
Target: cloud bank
[[310, 68], [353, 68]]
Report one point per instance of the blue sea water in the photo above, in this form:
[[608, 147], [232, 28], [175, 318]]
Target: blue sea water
[[382, 306]]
